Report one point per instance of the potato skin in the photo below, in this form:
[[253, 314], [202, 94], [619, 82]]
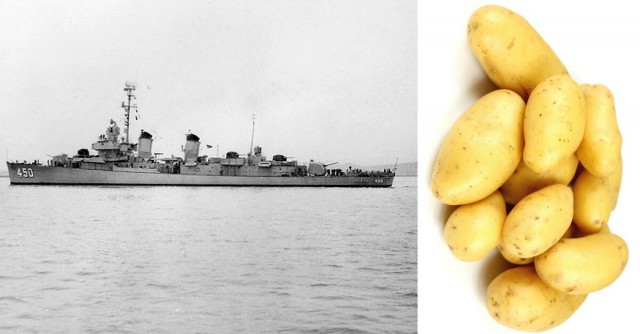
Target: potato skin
[[481, 150], [473, 230], [538, 221], [591, 202], [524, 181], [583, 265], [599, 151], [513, 258], [510, 51], [554, 123], [614, 181], [519, 299]]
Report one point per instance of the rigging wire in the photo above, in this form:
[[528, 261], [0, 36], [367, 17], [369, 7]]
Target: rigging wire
[[151, 130]]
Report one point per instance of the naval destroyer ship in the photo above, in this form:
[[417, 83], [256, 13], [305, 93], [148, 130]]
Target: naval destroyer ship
[[119, 162]]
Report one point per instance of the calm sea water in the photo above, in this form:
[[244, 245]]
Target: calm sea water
[[208, 260]]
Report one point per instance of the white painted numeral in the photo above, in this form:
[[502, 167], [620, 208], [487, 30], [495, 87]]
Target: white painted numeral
[[25, 172]]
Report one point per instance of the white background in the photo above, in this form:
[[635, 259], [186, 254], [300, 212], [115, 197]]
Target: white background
[[598, 43]]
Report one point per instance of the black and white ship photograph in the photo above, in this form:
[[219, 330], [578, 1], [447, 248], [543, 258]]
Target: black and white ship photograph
[[209, 166]]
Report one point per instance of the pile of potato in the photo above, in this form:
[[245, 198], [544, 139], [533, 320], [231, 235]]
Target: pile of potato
[[534, 169]]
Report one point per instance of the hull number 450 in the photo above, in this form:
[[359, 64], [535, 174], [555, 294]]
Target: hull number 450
[[25, 172]]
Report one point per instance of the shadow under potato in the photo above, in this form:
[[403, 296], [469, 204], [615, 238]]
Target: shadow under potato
[[444, 214], [482, 87], [493, 265]]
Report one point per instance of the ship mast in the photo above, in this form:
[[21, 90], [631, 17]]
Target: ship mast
[[252, 131], [129, 88]]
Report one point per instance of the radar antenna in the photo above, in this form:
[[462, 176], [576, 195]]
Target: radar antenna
[[129, 87], [252, 132]]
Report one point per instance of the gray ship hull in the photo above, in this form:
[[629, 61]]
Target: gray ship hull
[[35, 174]]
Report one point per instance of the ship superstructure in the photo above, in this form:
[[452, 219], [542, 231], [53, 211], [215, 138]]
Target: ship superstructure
[[119, 162]]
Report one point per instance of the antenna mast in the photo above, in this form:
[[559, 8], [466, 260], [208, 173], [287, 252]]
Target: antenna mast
[[129, 87], [252, 131]]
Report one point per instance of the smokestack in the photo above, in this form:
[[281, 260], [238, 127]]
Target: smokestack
[[191, 149], [144, 145]]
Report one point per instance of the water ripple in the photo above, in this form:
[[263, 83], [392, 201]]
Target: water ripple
[[161, 286], [42, 272], [10, 329], [54, 288], [339, 330], [2, 277], [25, 316], [12, 299], [410, 294]]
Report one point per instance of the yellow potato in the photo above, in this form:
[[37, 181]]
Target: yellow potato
[[583, 265], [538, 221], [481, 150], [510, 51], [519, 299], [473, 230], [513, 258], [591, 202], [524, 181], [599, 150], [614, 181], [579, 233], [554, 123]]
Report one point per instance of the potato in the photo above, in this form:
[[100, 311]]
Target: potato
[[591, 202], [519, 299], [513, 258], [473, 230], [524, 181], [599, 150], [481, 150], [614, 181], [554, 123], [583, 265], [510, 51], [579, 233], [538, 221]]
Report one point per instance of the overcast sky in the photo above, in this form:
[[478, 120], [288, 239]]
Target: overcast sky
[[326, 80]]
